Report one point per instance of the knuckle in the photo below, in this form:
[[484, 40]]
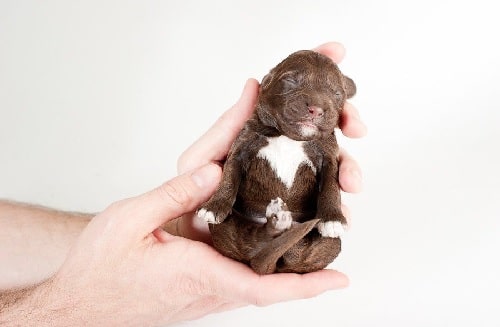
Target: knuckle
[[110, 217], [175, 193], [259, 301], [255, 295], [115, 206], [183, 163]]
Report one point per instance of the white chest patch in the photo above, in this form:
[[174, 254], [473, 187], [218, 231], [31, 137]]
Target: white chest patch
[[285, 156]]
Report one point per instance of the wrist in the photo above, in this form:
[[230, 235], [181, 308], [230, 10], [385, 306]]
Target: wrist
[[34, 242], [39, 305]]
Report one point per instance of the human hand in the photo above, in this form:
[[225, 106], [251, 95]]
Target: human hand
[[123, 270], [214, 145]]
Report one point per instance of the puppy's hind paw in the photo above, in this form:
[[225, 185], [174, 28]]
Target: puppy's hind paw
[[275, 206], [331, 229], [278, 216], [282, 220]]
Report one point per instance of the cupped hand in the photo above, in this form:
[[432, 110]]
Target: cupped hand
[[124, 270], [214, 145]]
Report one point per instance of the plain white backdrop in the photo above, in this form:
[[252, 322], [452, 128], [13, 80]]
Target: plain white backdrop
[[99, 98]]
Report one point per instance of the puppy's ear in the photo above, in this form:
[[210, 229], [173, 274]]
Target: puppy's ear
[[349, 86], [266, 117], [266, 81]]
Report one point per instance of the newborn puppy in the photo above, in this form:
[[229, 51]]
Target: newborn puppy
[[277, 207]]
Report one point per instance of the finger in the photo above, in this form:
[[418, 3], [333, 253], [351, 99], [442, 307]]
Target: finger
[[243, 285], [215, 143], [347, 214], [350, 177], [180, 195], [334, 50], [350, 122], [194, 228], [276, 288], [190, 227]]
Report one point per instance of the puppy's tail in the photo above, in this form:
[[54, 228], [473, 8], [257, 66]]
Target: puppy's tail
[[266, 260]]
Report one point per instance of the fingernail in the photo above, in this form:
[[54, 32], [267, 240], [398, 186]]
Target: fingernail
[[206, 176]]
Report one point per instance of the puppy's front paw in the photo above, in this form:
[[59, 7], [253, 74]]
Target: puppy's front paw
[[214, 211], [331, 229], [207, 216]]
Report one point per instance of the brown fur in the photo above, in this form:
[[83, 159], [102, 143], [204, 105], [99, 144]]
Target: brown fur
[[302, 81]]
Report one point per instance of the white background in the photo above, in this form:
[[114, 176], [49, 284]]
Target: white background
[[99, 98]]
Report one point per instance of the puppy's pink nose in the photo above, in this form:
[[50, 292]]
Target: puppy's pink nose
[[315, 112]]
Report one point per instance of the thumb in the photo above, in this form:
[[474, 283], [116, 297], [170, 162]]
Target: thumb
[[217, 141], [172, 199]]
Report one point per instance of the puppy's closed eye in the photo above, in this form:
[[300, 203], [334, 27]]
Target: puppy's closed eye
[[291, 78], [290, 83]]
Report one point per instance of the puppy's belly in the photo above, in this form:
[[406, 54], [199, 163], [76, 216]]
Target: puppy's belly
[[280, 169]]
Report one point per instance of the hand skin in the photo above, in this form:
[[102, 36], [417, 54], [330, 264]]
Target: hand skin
[[124, 270], [34, 242]]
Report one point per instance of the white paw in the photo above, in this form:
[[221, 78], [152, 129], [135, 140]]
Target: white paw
[[207, 216], [283, 220], [274, 207], [331, 229]]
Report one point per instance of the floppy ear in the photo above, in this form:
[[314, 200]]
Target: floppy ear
[[349, 86], [266, 117]]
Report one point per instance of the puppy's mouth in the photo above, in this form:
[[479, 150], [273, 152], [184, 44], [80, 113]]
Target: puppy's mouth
[[308, 124], [308, 128]]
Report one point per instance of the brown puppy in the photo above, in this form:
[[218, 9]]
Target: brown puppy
[[277, 207]]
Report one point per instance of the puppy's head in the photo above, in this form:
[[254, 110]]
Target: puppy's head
[[302, 97]]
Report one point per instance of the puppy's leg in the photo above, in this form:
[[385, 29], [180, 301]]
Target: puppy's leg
[[333, 223], [215, 210], [313, 252]]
